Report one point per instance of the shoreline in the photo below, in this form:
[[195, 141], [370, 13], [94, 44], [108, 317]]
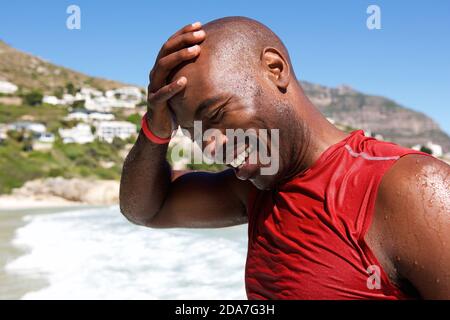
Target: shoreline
[[61, 192], [15, 203], [15, 286]]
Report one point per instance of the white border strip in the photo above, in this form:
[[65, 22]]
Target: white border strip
[[366, 156]]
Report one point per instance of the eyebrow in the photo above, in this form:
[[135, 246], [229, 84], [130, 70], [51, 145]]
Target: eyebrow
[[205, 105]]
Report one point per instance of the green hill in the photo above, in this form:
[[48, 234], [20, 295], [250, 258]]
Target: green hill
[[30, 72]]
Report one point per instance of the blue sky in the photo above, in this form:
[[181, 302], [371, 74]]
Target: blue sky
[[407, 60]]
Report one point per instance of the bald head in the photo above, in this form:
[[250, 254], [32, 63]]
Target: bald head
[[237, 43], [240, 39]]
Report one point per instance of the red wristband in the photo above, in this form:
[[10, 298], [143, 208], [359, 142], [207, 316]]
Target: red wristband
[[150, 135]]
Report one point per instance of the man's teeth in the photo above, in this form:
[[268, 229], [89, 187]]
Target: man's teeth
[[240, 159]]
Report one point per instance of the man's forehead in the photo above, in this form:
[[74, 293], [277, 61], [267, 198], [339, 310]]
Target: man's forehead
[[196, 88], [201, 85]]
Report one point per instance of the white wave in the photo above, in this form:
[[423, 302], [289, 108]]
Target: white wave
[[97, 254]]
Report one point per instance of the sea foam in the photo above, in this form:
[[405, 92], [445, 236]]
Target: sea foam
[[97, 254]]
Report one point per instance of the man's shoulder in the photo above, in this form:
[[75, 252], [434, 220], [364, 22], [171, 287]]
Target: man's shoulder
[[412, 172], [412, 219], [412, 188]]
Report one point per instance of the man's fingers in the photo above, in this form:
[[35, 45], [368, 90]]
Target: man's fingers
[[165, 50], [166, 64], [188, 28], [180, 47], [181, 41], [165, 93]]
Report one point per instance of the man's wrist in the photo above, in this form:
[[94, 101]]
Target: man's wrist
[[155, 137]]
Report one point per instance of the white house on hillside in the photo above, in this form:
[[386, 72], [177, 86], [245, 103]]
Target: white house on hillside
[[3, 131], [34, 127], [130, 94], [101, 116], [68, 99], [95, 100], [46, 137], [89, 116], [108, 130], [436, 149], [78, 115], [7, 87], [51, 100], [89, 92], [81, 134]]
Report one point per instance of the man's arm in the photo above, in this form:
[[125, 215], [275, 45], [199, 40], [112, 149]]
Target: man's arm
[[147, 194], [193, 200], [414, 199]]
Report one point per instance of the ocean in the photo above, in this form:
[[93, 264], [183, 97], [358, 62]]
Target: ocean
[[97, 254]]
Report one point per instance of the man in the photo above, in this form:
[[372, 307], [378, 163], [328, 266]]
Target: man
[[344, 217]]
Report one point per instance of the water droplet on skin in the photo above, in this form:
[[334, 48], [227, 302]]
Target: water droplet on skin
[[398, 258], [416, 263], [386, 217], [437, 280]]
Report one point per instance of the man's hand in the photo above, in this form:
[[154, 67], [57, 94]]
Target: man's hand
[[180, 47]]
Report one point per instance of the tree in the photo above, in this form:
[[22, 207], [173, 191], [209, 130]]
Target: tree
[[426, 150], [135, 118], [71, 88], [16, 135], [59, 91], [27, 146], [78, 104], [118, 143], [34, 98]]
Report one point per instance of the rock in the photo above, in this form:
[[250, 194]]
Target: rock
[[376, 114], [87, 191]]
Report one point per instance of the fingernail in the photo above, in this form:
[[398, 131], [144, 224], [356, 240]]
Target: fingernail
[[196, 24], [199, 33], [193, 48], [181, 81]]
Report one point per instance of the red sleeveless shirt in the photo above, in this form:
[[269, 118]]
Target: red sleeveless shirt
[[306, 237]]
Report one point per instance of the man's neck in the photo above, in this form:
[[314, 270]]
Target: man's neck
[[315, 135]]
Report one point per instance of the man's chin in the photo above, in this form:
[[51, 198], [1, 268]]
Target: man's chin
[[263, 182], [252, 173]]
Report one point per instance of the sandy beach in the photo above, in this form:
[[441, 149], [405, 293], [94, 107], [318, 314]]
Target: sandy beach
[[14, 286], [18, 203]]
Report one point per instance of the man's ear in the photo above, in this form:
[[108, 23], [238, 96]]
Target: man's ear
[[277, 67]]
